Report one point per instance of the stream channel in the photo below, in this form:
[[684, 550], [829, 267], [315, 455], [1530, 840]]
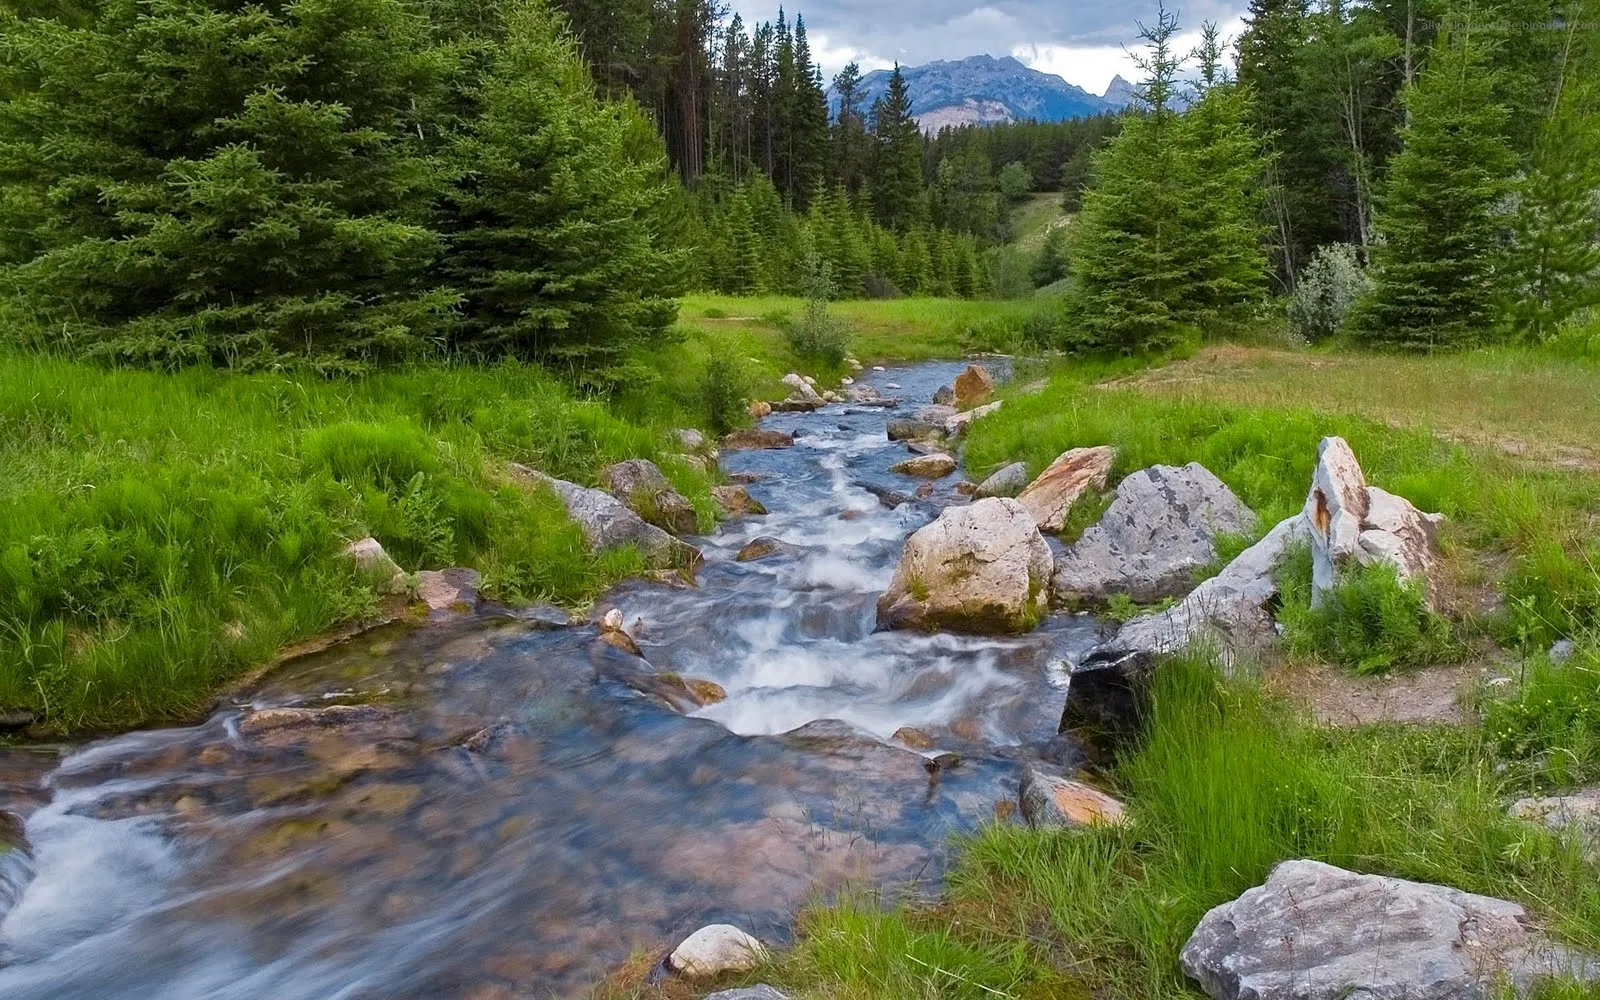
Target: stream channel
[[518, 809]]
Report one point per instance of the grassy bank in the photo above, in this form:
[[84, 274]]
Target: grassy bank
[[160, 533]]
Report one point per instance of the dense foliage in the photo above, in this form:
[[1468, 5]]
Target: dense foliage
[[326, 183]]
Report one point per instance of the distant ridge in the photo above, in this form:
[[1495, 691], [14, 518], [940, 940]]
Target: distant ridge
[[982, 90]]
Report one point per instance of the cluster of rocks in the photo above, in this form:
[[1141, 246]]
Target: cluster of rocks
[[440, 591]]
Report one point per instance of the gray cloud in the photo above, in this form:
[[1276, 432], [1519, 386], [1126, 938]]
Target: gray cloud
[[918, 31]]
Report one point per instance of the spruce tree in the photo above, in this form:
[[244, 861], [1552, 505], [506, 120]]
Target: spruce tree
[[1437, 265], [1555, 258], [205, 181], [897, 187], [1224, 168], [1127, 250], [552, 225]]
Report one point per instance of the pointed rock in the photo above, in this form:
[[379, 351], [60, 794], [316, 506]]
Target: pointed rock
[[973, 387], [1050, 497]]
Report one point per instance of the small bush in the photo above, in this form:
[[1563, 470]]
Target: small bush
[[724, 385], [876, 286], [818, 335], [1327, 289], [1372, 623]]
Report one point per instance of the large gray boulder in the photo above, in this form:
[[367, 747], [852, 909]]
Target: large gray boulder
[[958, 424], [1354, 524], [607, 524], [1231, 613], [640, 484], [983, 568], [1316, 932], [1159, 531]]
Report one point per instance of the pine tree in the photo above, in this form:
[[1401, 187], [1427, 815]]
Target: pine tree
[[916, 265], [1555, 260], [849, 130], [1126, 244], [1224, 167], [204, 181], [1437, 263], [741, 264], [552, 226], [897, 185]]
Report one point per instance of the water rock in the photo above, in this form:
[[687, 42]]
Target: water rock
[[761, 992], [614, 634], [1051, 801], [958, 424], [763, 547], [1160, 530], [911, 430], [944, 396], [607, 524], [916, 739], [450, 589], [274, 720], [935, 466], [966, 488], [796, 405], [804, 388], [982, 568], [1353, 523], [1316, 932], [866, 395], [14, 720], [714, 950], [759, 409], [1008, 482], [736, 500], [757, 440], [888, 496], [832, 397], [1050, 497], [973, 387], [371, 559], [936, 414]]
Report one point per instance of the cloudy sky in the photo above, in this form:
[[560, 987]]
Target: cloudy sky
[[1081, 40]]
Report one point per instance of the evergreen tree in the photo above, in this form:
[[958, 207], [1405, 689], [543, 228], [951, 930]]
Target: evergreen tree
[[203, 181], [741, 262], [1051, 264], [849, 130], [552, 226], [1224, 167], [1126, 245], [964, 195], [1555, 261], [897, 184], [1437, 263]]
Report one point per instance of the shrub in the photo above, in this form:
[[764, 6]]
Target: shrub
[[1015, 181], [1328, 287], [1372, 622], [818, 335], [724, 385]]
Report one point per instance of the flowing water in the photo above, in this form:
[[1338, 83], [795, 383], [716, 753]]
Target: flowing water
[[516, 808]]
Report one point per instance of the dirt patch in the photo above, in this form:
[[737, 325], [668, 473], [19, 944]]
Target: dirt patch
[[1337, 697]]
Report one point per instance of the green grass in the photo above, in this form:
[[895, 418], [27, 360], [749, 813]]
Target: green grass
[[1371, 623], [1524, 528], [1228, 783], [1033, 218], [161, 533]]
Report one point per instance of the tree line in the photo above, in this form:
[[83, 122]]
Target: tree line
[[1409, 174]]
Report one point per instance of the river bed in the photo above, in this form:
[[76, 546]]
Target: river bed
[[514, 809]]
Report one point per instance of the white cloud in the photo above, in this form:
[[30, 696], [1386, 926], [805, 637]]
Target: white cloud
[[832, 58], [1092, 66]]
